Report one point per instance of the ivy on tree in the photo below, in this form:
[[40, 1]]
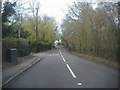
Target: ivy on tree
[[8, 11]]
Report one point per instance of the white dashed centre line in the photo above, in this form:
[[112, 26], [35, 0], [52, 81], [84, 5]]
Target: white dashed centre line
[[72, 73], [64, 60], [79, 84]]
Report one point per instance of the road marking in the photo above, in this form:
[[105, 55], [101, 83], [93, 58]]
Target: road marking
[[71, 71], [64, 60], [60, 53], [79, 84], [54, 54], [62, 56]]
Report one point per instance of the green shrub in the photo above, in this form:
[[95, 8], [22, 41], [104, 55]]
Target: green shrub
[[22, 47], [32, 45], [6, 45], [44, 46]]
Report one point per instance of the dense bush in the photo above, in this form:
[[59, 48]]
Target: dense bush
[[22, 47], [32, 46], [6, 45], [41, 46], [44, 46]]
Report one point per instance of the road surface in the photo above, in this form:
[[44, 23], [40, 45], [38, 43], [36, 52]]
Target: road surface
[[60, 69]]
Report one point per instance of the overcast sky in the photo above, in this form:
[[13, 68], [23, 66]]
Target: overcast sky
[[55, 8]]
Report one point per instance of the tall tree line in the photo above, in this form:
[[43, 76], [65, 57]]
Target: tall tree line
[[92, 31], [19, 22]]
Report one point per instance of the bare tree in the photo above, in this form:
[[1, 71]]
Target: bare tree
[[34, 7], [91, 31]]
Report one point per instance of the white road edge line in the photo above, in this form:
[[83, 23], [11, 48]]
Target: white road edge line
[[72, 73]]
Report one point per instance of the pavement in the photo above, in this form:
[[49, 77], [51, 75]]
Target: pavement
[[12, 72], [60, 69]]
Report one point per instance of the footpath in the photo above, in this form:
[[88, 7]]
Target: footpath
[[12, 72]]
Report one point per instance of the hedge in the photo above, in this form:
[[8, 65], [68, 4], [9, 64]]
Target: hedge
[[24, 47], [41, 46]]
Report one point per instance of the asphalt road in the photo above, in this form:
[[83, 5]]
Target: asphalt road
[[60, 69]]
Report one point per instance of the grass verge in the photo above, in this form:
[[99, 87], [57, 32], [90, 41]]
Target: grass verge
[[110, 63], [25, 58]]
